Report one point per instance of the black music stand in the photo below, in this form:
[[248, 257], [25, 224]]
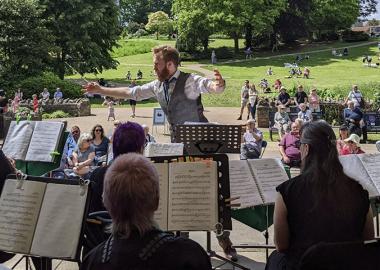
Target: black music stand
[[204, 139]]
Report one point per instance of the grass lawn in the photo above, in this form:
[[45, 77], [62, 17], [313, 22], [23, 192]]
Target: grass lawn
[[334, 73]]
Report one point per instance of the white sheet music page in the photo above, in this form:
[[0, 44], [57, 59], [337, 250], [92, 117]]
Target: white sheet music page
[[193, 204], [371, 163], [18, 138], [354, 168], [243, 185], [59, 224], [19, 209], [44, 141], [269, 173], [161, 215], [163, 149]]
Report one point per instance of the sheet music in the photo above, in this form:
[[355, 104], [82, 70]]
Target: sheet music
[[243, 185], [161, 215], [44, 141], [371, 163], [19, 209], [269, 173], [17, 141], [163, 149], [354, 168], [192, 196], [59, 224]]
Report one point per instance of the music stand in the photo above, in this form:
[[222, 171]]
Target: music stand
[[205, 139]]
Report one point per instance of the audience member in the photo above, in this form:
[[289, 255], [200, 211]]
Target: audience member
[[270, 71], [111, 110], [133, 102], [356, 97], [100, 143], [83, 155], [322, 204], [131, 195], [290, 146], [313, 99], [58, 95], [244, 94], [127, 138], [35, 103], [45, 94], [253, 99], [128, 76], [16, 103], [282, 121], [284, 98], [306, 73], [19, 93], [353, 116], [148, 138], [213, 57], [70, 146], [3, 102], [353, 145], [300, 96], [248, 53], [340, 143], [304, 114], [252, 141], [277, 85], [139, 75]]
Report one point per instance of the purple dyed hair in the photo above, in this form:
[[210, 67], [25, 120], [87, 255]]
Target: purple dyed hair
[[128, 138]]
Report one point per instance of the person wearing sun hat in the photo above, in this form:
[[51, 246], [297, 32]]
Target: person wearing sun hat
[[353, 145]]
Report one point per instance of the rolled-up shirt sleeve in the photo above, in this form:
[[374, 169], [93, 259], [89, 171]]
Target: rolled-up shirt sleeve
[[145, 91], [202, 85]]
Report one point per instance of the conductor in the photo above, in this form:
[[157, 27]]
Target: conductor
[[178, 93]]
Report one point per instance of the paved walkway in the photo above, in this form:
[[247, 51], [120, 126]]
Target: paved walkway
[[251, 258]]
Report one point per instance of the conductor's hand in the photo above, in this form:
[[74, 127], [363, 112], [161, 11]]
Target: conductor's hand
[[218, 78], [91, 88]]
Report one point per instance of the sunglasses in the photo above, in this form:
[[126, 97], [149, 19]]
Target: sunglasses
[[98, 130], [75, 132], [88, 140]]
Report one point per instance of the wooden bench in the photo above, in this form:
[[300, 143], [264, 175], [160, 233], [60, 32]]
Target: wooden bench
[[293, 116]]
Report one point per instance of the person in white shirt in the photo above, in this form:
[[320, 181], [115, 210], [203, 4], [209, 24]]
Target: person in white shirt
[[45, 94], [355, 96], [304, 114], [252, 141]]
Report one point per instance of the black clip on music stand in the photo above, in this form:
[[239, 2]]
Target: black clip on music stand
[[204, 139]]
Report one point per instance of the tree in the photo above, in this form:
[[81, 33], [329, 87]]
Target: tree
[[159, 23], [373, 22], [84, 34], [193, 23], [367, 7], [24, 41]]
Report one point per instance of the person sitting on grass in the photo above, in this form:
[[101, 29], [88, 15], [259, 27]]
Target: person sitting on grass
[[306, 73]]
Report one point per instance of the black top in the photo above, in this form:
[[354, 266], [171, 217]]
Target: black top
[[97, 179], [341, 218], [154, 251], [301, 97], [5, 169], [283, 98]]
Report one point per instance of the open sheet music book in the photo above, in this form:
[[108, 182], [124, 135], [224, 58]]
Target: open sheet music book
[[42, 219], [364, 168], [188, 196], [255, 180], [163, 149], [33, 141]]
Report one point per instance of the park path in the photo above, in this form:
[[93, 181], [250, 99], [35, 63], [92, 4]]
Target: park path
[[209, 74]]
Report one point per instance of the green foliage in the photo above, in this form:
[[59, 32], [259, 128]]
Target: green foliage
[[159, 23], [84, 34], [133, 27], [35, 85], [133, 47], [24, 40], [353, 36], [56, 114]]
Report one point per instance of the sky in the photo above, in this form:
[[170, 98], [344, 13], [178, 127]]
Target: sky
[[377, 14]]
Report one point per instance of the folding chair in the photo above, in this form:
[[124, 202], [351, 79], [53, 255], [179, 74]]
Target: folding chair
[[342, 255]]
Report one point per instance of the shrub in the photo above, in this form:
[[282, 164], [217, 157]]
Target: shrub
[[35, 85], [352, 36], [56, 114]]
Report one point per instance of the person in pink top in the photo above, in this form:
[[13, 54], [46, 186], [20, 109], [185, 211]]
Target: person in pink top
[[353, 145], [314, 101], [290, 146], [343, 134]]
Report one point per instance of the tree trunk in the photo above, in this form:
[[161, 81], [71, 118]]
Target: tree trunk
[[248, 35], [157, 35], [205, 43], [235, 36]]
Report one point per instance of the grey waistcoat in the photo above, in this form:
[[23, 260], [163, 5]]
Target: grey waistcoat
[[180, 108]]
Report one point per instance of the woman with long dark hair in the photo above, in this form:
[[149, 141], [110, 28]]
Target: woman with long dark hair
[[322, 204], [100, 143]]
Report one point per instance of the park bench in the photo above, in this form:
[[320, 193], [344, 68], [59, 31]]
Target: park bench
[[372, 120], [293, 116]]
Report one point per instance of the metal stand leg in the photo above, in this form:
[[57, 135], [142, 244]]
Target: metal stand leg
[[266, 234], [377, 201]]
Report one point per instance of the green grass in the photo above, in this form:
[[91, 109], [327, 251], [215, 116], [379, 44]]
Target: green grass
[[334, 73]]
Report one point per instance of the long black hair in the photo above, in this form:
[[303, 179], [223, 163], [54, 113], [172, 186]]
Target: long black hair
[[321, 166], [6, 168]]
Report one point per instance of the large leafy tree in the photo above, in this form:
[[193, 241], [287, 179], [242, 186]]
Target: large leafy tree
[[159, 23], [84, 34], [24, 40], [367, 7], [137, 11]]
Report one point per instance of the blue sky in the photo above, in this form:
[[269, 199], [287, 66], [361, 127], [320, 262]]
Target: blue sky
[[377, 14]]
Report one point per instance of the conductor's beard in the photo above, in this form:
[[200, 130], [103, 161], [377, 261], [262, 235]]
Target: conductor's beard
[[163, 74]]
